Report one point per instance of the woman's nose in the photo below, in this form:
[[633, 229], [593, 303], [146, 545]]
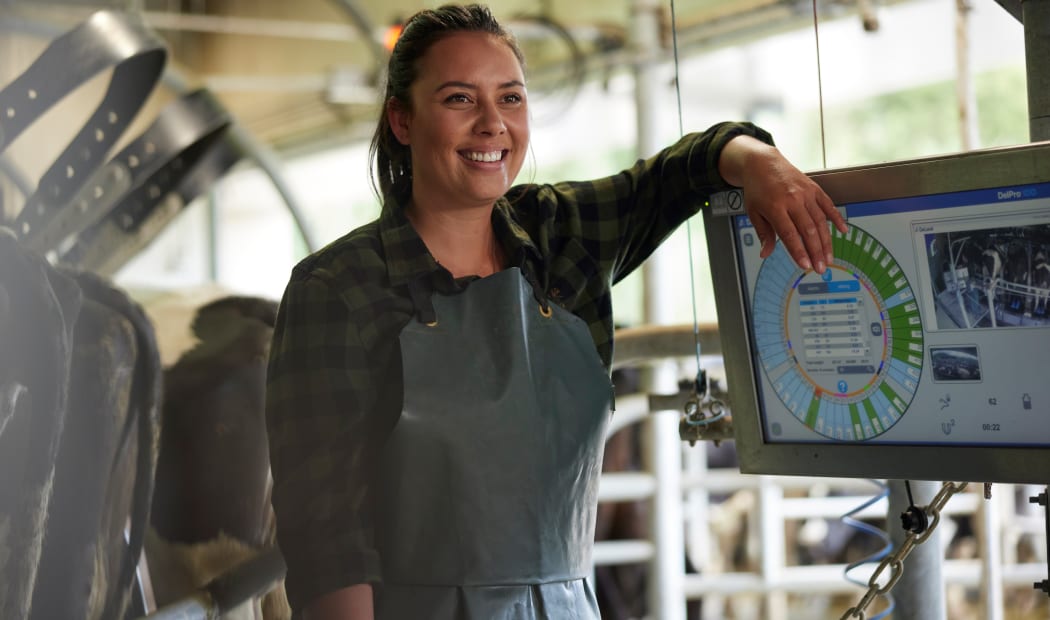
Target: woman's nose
[[489, 120]]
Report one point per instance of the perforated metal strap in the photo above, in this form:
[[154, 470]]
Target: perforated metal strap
[[107, 40], [175, 160], [108, 245]]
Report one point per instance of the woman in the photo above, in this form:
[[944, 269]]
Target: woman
[[438, 386]]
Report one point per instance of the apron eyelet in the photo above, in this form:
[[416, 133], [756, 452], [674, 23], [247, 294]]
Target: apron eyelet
[[547, 311]]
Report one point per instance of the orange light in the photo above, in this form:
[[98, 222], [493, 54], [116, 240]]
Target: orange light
[[393, 33]]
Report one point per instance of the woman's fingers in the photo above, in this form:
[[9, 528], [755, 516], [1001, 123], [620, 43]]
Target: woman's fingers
[[800, 220]]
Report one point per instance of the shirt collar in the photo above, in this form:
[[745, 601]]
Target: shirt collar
[[407, 257], [516, 242]]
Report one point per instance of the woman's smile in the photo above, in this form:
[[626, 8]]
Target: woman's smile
[[467, 124], [484, 156]]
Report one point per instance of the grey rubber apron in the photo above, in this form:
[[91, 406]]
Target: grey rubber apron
[[489, 487]]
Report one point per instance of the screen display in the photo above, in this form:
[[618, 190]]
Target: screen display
[[923, 351], [931, 326]]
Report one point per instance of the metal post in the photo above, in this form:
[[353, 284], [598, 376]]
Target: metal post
[[698, 508], [771, 526], [214, 236], [919, 595], [991, 526], [1043, 499], [965, 93], [1036, 19], [666, 590]]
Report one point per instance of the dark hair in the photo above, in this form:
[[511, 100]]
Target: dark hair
[[391, 161]]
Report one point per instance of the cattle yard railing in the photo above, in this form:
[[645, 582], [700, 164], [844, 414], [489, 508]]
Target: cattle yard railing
[[691, 505], [771, 506]]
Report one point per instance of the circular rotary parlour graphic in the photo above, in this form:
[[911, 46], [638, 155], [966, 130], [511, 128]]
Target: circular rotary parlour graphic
[[844, 349]]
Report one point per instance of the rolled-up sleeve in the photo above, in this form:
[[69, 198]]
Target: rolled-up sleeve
[[622, 218]]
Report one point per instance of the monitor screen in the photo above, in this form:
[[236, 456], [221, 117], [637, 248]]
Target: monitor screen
[[923, 352]]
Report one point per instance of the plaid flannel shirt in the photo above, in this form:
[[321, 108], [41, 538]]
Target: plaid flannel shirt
[[334, 383]]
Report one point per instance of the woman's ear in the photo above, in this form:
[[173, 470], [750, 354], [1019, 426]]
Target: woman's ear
[[399, 119]]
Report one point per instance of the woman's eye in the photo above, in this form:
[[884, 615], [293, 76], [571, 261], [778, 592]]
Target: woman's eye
[[513, 98], [457, 98]]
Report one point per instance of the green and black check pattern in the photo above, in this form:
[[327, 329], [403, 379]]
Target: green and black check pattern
[[334, 384]]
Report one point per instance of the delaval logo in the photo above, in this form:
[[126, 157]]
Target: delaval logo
[[1013, 194]]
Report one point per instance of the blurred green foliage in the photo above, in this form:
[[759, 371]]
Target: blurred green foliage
[[923, 121], [904, 124]]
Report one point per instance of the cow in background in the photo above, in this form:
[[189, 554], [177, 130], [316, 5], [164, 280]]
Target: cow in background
[[621, 590], [1041, 282], [80, 380], [991, 265], [38, 311], [106, 460], [1015, 271], [211, 506]]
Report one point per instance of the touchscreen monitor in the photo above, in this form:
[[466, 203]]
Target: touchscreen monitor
[[923, 352]]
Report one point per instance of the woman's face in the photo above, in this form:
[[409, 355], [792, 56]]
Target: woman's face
[[468, 126]]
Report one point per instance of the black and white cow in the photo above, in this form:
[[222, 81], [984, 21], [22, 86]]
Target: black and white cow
[[1041, 282], [211, 507], [79, 377], [106, 460], [38, 311]]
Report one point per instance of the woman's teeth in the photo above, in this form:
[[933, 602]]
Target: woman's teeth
[[486, 157]]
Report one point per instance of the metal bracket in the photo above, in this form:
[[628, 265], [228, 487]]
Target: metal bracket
[[704, 418], [1043, 499]]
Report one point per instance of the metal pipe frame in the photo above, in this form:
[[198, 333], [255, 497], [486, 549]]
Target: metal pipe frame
[[776, 579]]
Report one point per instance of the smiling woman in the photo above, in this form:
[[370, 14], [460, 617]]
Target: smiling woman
[[466, 125], [438, 388]]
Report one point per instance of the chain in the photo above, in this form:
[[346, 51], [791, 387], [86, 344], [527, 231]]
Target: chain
[[895, 561]]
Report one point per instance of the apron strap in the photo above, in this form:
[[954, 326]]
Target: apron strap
[[540, 294], [424, 307], [539, 289]]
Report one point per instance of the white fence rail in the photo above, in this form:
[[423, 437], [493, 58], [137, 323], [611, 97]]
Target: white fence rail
[[703, 502]]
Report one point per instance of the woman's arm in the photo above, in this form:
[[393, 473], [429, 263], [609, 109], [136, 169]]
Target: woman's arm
[[353, 603], [781, 201], [619, 220], [323, 422]]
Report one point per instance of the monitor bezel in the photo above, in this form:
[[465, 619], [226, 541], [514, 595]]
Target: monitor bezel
[[988, 168]]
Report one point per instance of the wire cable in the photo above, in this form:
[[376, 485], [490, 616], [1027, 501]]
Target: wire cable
[[820, 88], [688, 223]]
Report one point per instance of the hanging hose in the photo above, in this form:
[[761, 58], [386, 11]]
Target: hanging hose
[[876, 557]]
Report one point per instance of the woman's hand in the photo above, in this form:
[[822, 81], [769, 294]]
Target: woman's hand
[[781, 202]]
